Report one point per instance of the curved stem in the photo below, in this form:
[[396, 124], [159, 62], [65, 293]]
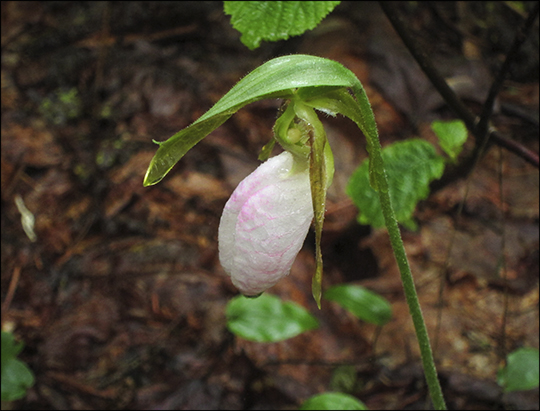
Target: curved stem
[[408, 285], [359, 111]]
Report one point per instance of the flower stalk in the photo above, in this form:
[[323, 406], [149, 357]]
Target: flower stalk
[[409, 288]]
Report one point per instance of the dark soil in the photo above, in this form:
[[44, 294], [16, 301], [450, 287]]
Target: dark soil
[[120, 299]]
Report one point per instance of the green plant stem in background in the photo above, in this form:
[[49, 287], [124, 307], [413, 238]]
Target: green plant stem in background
[[408, 285]]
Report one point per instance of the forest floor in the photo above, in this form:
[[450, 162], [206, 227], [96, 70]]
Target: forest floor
[[120, 300]]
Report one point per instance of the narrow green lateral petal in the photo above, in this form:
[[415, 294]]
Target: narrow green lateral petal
[[318, 181]]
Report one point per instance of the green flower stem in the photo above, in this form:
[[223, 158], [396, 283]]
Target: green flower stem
[[408, 284], [359, 110]]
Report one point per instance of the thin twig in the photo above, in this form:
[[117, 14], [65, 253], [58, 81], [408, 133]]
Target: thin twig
[[11, 290], [520, 38], [427, 66], [453, 101], [504, 272]]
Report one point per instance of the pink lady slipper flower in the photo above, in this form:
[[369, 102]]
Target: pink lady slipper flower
[[265, 222]]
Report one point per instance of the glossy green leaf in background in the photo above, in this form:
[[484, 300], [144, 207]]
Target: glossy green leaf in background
[[16, 376], [333, 401], [275, 20], [521, 371], [452, 135], [344, 379], [363, 303], [267, 318], [410, 166]]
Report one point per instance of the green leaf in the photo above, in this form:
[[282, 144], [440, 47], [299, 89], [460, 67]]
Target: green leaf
[[521, 371], [267, 318], [363, 303], [16, 377], [275, 20], [277, 78], [452, 135], [344, 379], [333, 401], [410, 165]]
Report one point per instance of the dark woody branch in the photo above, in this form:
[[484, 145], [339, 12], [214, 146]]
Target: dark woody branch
[[478, 127]]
